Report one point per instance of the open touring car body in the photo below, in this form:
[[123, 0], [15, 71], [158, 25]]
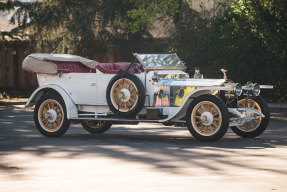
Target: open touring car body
[[155, 88]]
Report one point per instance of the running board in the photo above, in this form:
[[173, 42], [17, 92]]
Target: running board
[[114, 119], [121, 120]]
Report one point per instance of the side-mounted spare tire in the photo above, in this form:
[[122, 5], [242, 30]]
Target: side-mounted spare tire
[[125, 94]]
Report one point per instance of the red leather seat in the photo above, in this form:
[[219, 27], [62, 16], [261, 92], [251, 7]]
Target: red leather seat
[[72, 67], [106, 68], [113, 68]]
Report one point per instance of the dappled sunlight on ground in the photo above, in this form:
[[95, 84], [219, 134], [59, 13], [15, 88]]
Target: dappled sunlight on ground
[[159, 156]]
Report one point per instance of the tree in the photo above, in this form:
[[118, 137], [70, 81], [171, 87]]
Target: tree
[[72, 26], [247, 38], [146, 12], [7, 6]]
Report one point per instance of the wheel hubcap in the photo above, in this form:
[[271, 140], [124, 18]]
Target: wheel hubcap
[[206, 118], [125, 95], [52, 115]]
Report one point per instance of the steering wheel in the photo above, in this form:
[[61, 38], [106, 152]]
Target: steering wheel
[[135, 66]]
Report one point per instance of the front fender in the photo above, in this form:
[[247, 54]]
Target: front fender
[[181, 111], [71, 108]]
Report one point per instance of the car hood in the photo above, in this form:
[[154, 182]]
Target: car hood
[[191, 82]]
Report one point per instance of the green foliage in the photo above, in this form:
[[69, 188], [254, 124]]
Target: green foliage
[[249, 39], [9, 5], [147, 12], [72, 26], [81, 27]]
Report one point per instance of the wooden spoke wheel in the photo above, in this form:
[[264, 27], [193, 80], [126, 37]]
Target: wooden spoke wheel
[[207, 118], [257, 125], [125, 94], [252, 124], [50, 116], [96, 127]]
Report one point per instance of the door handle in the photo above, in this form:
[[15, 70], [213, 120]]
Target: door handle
[[93, 84]]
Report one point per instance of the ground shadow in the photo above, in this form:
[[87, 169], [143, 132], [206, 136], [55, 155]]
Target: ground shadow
[[158, 147]]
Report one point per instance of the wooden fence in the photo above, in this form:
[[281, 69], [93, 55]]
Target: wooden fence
[[12, 76], [12, 54]]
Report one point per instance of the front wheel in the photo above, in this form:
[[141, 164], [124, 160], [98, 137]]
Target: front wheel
[[257, 126], [207, 118], [50, 116], [96, 127]]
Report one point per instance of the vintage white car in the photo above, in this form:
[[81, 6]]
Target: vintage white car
[[153, 88]]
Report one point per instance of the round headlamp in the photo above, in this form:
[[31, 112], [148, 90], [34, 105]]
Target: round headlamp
[[237, 89], [256, 89]]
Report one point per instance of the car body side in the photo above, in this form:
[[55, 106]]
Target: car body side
[[86, 92], [77, 90]]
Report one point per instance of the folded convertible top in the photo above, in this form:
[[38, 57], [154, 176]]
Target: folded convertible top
[[43, 62]]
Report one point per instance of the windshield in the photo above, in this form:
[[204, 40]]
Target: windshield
[[160, 61]]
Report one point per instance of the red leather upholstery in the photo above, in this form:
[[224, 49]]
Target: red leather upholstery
[[113, 68], [72, 67], [106, 68], [109, 68]]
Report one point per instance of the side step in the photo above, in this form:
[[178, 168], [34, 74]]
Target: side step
[[114, 119], [120, 120]]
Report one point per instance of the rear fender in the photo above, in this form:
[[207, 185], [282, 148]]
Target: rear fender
[[71, 108]]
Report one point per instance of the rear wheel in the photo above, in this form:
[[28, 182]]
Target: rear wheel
[[96, 127], [256, 126], [50, 116], [207, 118]]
